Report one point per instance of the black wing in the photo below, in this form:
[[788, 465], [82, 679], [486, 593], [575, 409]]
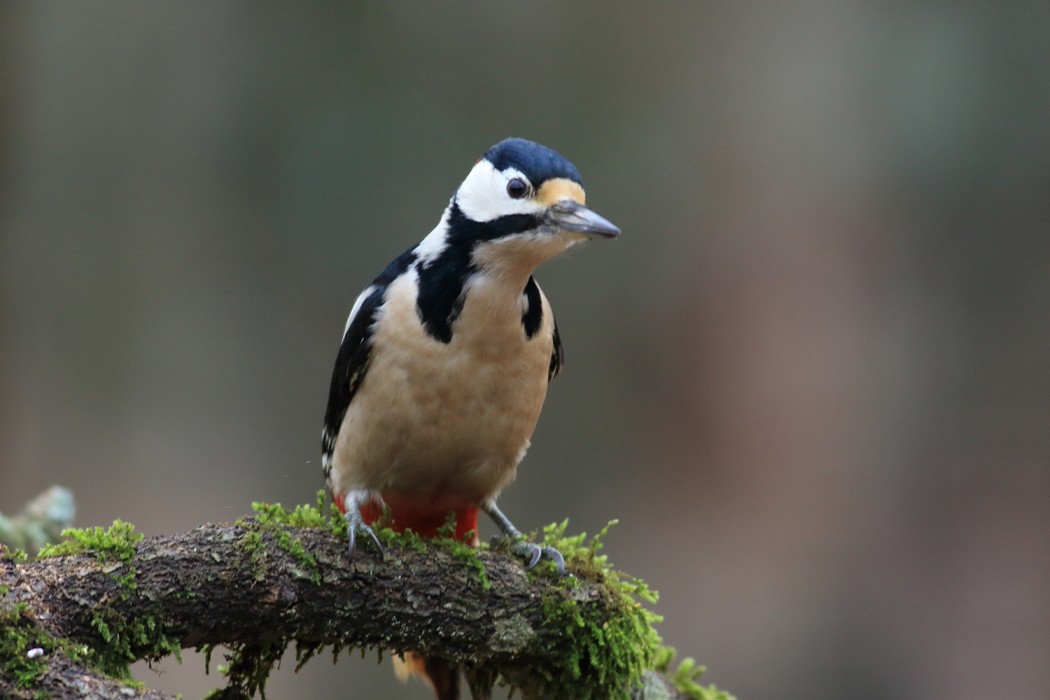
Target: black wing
[[351, 363], [532, 320], [558, 356]]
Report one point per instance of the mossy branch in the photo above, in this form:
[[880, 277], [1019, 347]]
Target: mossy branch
[[106, 598]]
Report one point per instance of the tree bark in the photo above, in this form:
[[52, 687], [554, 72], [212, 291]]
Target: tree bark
[[244, 585]]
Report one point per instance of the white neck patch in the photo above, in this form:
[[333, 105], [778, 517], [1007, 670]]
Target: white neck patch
[[436, 241]]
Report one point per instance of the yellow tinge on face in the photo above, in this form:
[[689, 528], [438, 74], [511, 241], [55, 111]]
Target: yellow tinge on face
[[557, 189]]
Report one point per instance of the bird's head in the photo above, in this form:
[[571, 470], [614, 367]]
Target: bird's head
[[522, 202]]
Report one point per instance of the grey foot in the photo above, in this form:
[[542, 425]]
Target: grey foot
[[356, 524], [532, 552], [529, 551]]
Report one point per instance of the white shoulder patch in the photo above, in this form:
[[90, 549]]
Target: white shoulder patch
[[435, 242], [357, 307]]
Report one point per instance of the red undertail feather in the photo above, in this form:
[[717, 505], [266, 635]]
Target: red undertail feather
[[421, 517]]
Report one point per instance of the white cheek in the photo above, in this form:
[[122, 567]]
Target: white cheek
[[483, 195]]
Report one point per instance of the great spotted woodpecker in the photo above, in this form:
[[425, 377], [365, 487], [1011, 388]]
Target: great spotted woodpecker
[[446, 356]]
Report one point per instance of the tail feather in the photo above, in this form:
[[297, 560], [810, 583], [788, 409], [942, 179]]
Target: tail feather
[[442, 678]]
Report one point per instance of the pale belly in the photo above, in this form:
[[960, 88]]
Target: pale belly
[[451, 421]]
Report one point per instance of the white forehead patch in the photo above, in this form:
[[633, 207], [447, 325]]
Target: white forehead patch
[[483, 195]]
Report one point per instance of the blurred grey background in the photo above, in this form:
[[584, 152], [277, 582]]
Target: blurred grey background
[[812, 378]]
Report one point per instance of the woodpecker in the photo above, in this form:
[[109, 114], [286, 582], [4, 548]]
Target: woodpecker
[[446, 356]]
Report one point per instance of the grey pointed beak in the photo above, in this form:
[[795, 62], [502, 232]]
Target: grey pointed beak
[[573, 216]]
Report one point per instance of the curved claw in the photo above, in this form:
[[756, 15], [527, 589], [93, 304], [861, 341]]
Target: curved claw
[[533, 552], [556, 557], [529, 550], [354, 524]]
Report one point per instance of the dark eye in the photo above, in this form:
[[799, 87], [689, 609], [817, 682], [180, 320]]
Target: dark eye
[[517, 188]]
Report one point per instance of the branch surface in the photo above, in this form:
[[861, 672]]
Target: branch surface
[[250, 586]]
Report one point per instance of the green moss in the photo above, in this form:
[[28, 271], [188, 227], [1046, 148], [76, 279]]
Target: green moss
[[13, 554], [294, 546], [253, 546], [117, 543], [17, 636], [249, 665], [687, 674], [604, 649], [247, 669], [602, 653], [274, 520], [124, 640], [391, 539], [316, 516], [469, 556], [602, 656]]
